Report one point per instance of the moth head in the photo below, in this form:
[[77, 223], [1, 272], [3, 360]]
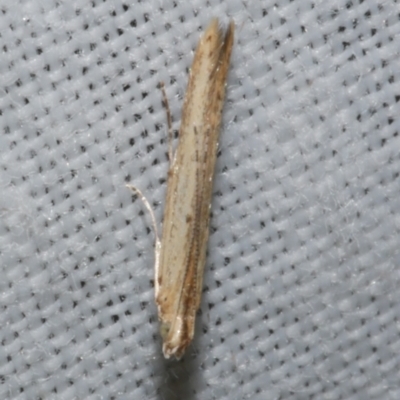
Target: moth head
[[177, 336]]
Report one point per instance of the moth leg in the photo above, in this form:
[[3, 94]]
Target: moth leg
[[169, 121], [153, 221]]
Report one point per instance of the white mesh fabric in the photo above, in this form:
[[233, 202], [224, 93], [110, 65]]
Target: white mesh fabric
[[301, 290]]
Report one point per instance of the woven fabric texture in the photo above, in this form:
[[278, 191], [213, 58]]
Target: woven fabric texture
[[302, 283]]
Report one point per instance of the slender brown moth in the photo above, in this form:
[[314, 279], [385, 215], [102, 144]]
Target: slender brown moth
[[180, 255]]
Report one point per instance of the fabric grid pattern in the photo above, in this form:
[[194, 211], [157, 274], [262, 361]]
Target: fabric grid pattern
[[301, 290]]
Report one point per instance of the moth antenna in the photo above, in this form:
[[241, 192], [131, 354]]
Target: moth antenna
[[169, 121]]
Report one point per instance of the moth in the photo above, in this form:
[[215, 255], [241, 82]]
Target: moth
[[180, 255]]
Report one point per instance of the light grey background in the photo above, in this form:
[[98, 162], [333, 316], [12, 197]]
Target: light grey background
[[301, 292]]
